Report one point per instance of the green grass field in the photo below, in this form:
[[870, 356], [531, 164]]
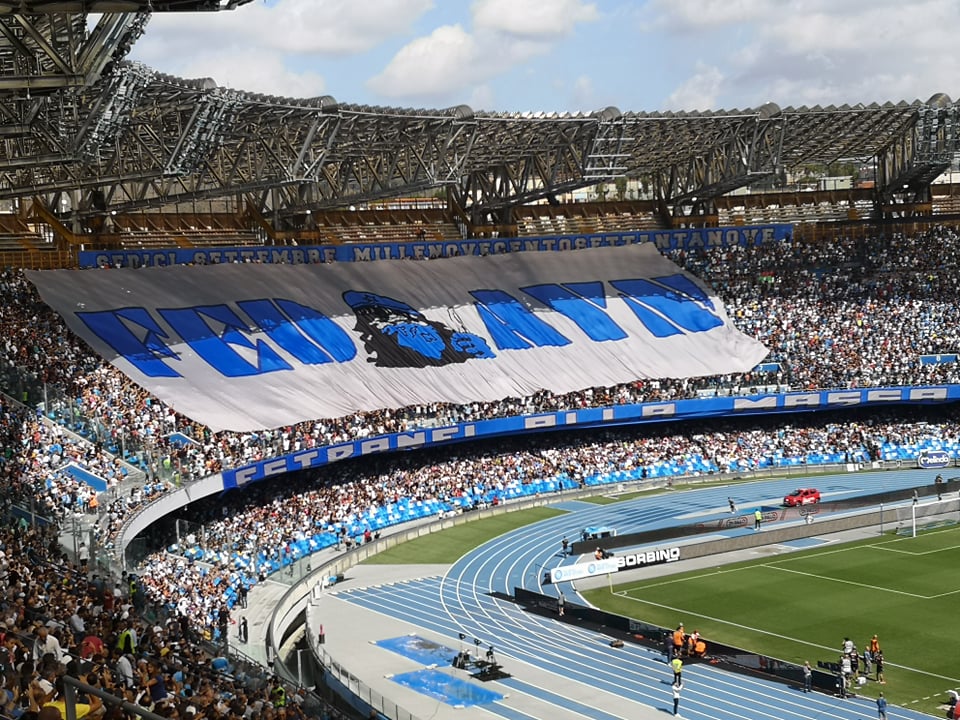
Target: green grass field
[[448, 546], [800, 606]]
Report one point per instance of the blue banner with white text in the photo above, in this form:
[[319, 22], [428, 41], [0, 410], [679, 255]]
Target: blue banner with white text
[[592, 418], [665, 240]]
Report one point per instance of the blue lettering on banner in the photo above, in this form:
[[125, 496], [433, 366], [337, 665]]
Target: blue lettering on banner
[[511, 324], [664, 240], [668, 305], [394, 333], [312, 338], [596, 417], [308, 335], [584, 303], [583, 570], [193, 325], [114, 328]]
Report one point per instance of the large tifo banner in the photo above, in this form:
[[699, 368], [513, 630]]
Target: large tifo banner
[[664, 240], [245, 347]]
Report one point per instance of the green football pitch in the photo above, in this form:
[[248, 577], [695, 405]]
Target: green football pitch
[[801, 605]]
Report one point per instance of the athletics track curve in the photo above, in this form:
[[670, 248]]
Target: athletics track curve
[[620, 682]]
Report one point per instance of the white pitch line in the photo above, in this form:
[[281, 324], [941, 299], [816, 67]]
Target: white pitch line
[[951, 592], [864, 585], [914, 553], [848, 582], [693, 613], [688, 612], [893, 550]]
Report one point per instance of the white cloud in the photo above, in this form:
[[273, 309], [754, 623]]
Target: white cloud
[[276, 47], [703, 54], [532, 18], [699, 92], [254, 70], [806, 52], [583, 96], [253, 47], [481, 98], [327, 28], [444, 66], [693, 15], [882, 51], [434, 66]]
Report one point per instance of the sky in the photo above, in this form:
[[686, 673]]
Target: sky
[[569, 55]]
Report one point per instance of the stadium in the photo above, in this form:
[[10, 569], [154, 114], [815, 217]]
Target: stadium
[[258, 350]]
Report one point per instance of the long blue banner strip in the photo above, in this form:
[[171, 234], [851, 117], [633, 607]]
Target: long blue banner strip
[[665, 240], [591, 418]]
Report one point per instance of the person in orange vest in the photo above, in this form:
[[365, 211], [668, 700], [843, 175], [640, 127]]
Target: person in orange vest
[[678, 637], [869, 653], [700, 649]]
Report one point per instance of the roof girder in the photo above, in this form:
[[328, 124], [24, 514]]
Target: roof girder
[[752, 150], [166, 140]]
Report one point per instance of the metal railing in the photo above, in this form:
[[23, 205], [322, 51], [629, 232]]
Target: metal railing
[[72, 686]]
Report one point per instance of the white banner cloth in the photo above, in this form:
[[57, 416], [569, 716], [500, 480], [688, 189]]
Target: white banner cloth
[[249, 346]]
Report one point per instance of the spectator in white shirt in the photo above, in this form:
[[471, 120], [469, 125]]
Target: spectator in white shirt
[[47, 644]]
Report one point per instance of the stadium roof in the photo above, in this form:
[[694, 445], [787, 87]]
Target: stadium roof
[[89, 132], [114, 6], [141, 139]]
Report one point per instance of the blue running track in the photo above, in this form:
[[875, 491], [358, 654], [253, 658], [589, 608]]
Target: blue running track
[[462, 602]]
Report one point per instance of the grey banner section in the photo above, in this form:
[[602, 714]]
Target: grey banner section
[[248, 346]]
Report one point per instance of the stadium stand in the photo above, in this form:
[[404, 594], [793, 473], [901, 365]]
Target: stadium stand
[[945, 199], [180, 229], [914, 310], [882, 319], [94, 156], [386, 225], [849, 313], [586, 218], [270, 527], [58, 619], [17, 234], [814, 214]]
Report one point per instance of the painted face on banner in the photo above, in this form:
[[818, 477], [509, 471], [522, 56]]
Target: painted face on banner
[[396, 334]]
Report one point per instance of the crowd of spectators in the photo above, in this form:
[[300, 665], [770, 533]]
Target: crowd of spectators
[[250, 534], [834, 314], [845, 313], [39, 459], [58, 619]]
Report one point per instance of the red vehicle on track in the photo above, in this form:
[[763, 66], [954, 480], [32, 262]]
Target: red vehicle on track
[[802, 496]]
